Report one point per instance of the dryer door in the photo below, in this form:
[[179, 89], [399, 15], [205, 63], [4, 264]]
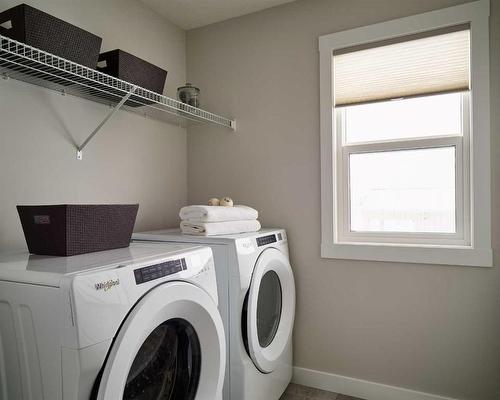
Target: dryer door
[[270, 309], [171, 346]]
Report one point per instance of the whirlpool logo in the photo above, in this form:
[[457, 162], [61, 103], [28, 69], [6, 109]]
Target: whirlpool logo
[[107, 285]]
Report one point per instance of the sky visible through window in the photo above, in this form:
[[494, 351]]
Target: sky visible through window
[[404, 190], [404, 119]]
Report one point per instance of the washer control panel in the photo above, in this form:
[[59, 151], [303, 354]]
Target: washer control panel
[[156, 271]]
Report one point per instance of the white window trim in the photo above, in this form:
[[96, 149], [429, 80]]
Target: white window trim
[[471, 251], [462, 186]]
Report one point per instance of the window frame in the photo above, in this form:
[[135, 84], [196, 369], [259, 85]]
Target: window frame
[[471, 245], [462, 187]]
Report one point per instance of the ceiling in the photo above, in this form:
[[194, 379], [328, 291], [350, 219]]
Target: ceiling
[[189, 14]]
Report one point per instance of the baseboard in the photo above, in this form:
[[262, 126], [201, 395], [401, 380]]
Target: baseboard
[[357, 387]]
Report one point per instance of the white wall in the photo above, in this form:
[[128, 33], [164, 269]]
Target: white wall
[[132, 159], [431, 328]]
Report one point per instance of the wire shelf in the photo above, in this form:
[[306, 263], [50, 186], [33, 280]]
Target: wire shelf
[[22, 62]]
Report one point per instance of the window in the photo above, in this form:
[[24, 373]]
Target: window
[[404, 168], [405, 139]]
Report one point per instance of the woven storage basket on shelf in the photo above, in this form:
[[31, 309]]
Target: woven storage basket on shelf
[[68, 229], [48, 33], [132, 69]]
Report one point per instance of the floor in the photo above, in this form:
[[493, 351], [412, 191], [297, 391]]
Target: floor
[[298, 392]]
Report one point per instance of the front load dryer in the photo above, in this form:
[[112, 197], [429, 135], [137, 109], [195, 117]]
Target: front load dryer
[[257, 304], [136, 323]]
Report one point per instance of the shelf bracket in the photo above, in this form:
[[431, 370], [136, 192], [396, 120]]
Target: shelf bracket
[[79, 149]]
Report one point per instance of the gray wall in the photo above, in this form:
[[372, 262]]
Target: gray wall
[[132, 160], [429, 328]]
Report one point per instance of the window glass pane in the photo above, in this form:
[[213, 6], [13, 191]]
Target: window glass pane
[[403, 191], [403, 119]]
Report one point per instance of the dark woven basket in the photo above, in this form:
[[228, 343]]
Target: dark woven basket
[[132, 69], [53, 35], [67, 230]]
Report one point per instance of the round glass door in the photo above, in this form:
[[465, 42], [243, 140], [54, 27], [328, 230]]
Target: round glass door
[[268, 308], [171, 346], [167, 365]]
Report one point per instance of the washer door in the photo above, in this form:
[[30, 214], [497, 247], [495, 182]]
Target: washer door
[[270, 309], [171, 346]]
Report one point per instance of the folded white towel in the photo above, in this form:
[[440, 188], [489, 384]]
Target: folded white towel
[[219, 228], [217, 213]]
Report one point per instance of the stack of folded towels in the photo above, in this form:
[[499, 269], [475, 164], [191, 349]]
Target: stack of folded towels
[[217, 220]]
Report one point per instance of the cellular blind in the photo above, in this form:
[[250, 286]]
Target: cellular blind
[[429, 63]]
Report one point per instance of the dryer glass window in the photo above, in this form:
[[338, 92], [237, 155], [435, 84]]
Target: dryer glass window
[[167, 366], [268, 308]]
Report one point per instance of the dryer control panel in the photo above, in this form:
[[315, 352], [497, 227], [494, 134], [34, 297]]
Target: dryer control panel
[[263, 240], [156, 271]]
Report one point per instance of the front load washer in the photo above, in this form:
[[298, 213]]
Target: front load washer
[[257, 304], [136, 323]]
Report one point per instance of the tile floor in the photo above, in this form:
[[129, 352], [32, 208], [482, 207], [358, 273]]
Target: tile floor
[[298, 392]]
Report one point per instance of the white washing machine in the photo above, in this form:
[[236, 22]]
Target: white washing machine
[[137, 323], [257, 304]]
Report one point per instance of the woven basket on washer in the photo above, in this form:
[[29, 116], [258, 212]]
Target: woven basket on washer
[[67, 229], [53, 35]]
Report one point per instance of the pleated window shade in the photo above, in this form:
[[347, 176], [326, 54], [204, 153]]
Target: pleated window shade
[[413, 66]]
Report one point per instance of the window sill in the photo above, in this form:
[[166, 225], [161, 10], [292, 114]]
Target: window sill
[[444, 255]]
